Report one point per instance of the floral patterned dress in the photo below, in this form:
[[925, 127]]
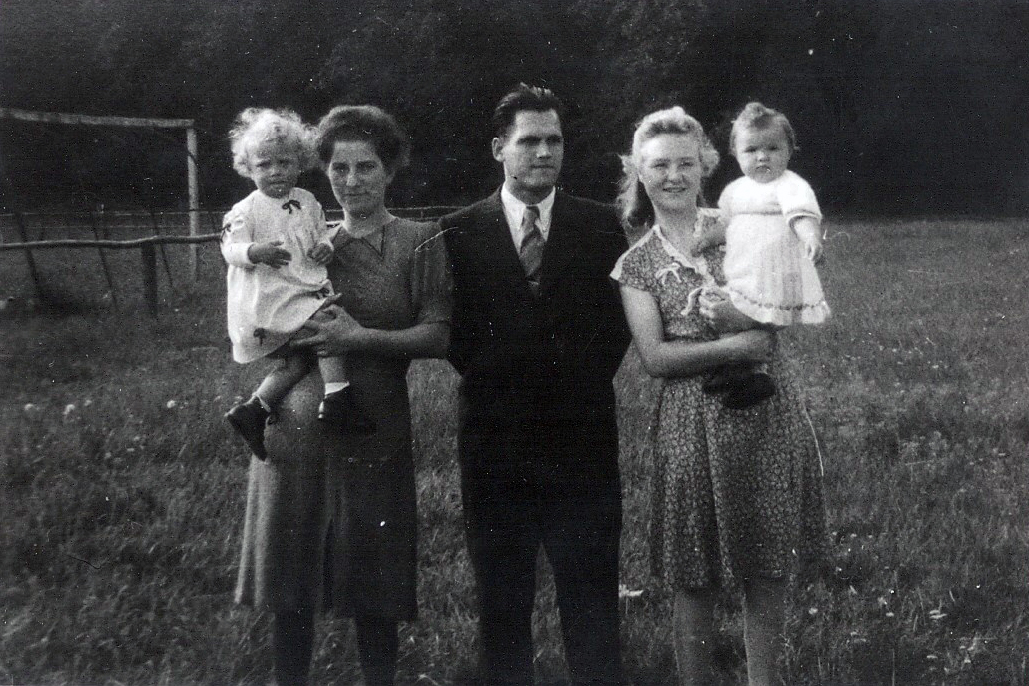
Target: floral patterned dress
[[736, 494]]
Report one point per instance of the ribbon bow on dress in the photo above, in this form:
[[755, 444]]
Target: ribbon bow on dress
[[290, 204]]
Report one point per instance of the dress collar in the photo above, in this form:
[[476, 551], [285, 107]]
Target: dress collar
[[697, 263]]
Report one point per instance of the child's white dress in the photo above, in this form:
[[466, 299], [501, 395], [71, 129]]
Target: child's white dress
[[266, 305], [768, 278]]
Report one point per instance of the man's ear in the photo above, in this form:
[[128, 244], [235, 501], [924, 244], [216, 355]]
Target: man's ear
[[497, 145]]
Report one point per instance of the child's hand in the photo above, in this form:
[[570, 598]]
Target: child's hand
[[809, 232], [813, 249], [320, 253], [268, 253], [709, 236]]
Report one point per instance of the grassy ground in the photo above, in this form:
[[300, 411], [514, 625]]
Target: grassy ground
[[123, 491]]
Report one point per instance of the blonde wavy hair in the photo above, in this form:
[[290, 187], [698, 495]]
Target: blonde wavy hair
[[636, 209]]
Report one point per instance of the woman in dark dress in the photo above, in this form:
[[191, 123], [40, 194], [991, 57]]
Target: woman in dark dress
[[331, 516]]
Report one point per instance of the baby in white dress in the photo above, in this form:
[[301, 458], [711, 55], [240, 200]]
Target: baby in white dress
[[276, 243], [773, 240]]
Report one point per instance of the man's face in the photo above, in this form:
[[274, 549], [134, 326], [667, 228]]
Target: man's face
[[531, 152]]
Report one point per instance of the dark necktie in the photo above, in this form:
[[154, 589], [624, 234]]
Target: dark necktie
[[531, 250]]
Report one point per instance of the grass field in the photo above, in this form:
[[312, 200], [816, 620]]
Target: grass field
[[123, 490]]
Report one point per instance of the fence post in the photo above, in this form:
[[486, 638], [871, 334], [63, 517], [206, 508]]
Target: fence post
[[149, 260], [194, 200]]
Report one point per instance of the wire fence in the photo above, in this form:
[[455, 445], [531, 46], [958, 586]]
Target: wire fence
[[150, 232]]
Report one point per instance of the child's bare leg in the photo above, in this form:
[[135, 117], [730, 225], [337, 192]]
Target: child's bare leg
[[277, 385], [338, 406], [334, 373]]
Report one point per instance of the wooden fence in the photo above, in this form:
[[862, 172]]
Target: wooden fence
[[147, 245]]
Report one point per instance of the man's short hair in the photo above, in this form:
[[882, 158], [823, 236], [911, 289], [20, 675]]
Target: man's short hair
[[521, 99]]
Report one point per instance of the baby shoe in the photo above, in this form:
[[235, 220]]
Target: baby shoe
[[340, 409], [723, 378], [749, 390], [248, 419]]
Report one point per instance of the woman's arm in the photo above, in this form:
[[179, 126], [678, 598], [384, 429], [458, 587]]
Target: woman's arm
[[665, 358], [339, 333]]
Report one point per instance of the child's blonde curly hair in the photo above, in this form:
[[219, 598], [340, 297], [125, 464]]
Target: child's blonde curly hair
[[256, 125]]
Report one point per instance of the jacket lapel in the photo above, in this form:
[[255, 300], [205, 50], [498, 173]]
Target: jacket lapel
[[563, 244], [495, 236]]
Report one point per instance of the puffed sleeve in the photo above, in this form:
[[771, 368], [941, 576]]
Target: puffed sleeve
[[237, 237], [633, 268], [431, 282], [796, 198]]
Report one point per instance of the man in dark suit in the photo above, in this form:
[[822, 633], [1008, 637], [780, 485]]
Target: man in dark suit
[[537, 335]]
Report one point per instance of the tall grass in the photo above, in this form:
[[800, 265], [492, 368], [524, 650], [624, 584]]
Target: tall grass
[[123, 490]]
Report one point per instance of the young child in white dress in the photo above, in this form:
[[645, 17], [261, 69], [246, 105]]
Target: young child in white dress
[[276, 243], [773, 240]]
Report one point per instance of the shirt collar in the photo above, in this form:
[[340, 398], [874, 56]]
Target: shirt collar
[[513, 209]]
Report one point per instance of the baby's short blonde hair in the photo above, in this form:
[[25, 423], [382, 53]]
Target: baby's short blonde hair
[[256, 125], [757, 116]]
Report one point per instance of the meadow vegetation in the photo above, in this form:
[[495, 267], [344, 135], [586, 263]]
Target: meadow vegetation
[[123, 489]]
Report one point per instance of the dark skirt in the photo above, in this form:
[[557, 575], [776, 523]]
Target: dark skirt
[[331, 518]]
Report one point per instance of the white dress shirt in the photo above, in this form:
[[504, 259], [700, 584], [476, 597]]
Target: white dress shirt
[[514, 208]]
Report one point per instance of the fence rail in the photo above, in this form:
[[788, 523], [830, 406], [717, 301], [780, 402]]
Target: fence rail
[[102, 222]]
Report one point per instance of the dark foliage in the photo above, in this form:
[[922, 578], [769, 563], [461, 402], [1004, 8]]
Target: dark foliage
[[901, 106]]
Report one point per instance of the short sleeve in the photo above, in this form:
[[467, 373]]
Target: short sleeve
[[633, 268], [431, 281], [797, 199]]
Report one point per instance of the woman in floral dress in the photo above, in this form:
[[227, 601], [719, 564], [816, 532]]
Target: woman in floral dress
[[737, 495]]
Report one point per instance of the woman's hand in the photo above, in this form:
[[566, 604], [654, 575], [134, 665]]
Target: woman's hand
[[268, 253], [334, 332], [722, 314], [752, 345]]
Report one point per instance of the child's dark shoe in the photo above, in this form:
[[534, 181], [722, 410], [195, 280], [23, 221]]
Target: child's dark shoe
[[248, 419], [340, 409], [749, 390], [722, 379]]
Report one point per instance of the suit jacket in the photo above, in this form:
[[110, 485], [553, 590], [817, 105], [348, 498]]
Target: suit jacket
[[548, 359]]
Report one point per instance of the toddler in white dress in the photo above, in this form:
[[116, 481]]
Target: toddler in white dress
[[276, 243], [773, 240]]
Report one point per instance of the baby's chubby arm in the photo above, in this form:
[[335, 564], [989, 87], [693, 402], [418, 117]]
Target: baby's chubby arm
[[809, 231], [240, 250], [800, 206]]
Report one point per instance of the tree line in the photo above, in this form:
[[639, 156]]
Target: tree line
[[900, 106]]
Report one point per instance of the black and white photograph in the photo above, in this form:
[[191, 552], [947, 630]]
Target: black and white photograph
[[514, 342]]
